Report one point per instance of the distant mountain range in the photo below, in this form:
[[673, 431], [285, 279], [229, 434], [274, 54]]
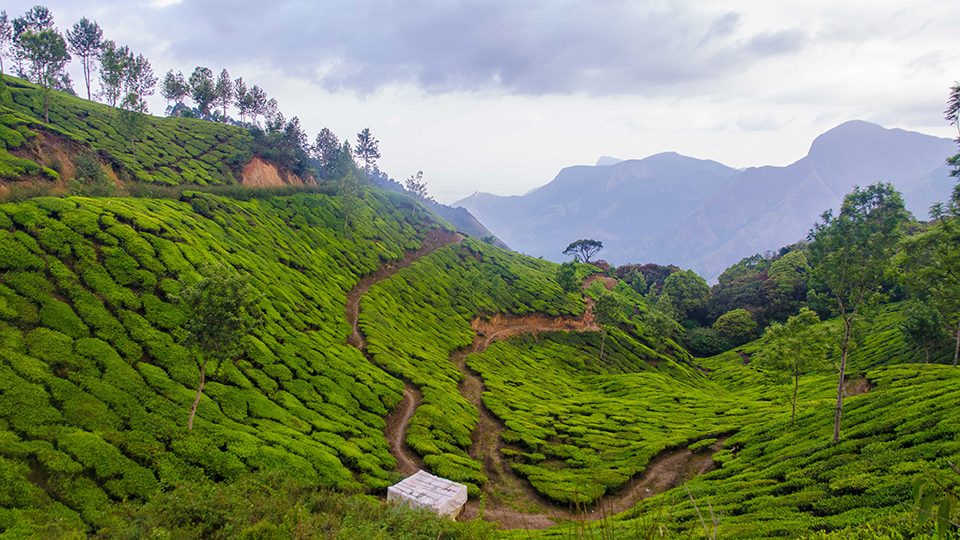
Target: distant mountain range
[[700, 214]]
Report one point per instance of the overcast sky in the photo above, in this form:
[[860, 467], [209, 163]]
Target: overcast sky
[[498, 96]]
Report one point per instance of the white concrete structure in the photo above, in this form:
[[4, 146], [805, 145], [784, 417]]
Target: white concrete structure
[[424, 490]]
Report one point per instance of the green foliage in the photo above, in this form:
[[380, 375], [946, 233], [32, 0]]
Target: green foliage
[[688, 292], [737, 326], [94, 384], [583, 249], [169, 151], [567, 277]]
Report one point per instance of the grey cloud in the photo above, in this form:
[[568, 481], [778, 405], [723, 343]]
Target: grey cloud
[[774, 43], [536, 47]]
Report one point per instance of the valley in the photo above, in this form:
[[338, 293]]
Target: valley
[[811, 392]]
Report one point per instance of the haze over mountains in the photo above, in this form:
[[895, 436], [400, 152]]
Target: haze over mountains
[[701, 214]]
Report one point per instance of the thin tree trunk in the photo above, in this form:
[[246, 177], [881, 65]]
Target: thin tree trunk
[[196, 401], [844, 347], [603, 340], [86, 75], [46, 106]]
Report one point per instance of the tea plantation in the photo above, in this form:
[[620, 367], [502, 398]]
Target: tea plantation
[[96, 387], [168, 151]]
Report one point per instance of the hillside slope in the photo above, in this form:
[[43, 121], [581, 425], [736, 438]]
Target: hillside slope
[[702, 215]]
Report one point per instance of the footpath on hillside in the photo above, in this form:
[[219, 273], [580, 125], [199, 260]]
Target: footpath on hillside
[[509, 499]]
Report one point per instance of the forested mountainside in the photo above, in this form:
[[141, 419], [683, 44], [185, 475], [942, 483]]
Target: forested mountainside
[[700, 214]]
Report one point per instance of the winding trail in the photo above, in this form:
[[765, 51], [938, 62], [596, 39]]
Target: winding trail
[[510, 500], [408, 461]]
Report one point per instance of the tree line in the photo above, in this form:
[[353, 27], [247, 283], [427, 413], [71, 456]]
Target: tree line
[[40, 53]]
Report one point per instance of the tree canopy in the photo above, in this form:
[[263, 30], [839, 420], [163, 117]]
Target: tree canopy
[[583, 249], [850, 252]]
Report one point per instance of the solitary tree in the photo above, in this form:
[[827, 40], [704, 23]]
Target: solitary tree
[[86, 42], [417, 186], [224, 93], [46, 51], [850, 252], [221, 309], [203, 89], [583, 249], [368, 150], [793, 349]]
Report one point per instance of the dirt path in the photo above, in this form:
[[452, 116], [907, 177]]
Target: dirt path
[[510, 500], [408, 462]]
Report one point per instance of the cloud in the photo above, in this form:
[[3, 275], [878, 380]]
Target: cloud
[[526, 48]]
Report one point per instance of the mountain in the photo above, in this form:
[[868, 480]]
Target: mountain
[[669, 208]]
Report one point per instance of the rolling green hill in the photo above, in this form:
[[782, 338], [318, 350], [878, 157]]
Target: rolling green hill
[[168, 151], [511, 385]]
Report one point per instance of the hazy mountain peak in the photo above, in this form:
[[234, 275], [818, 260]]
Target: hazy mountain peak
[[671, 208], [607, 160]]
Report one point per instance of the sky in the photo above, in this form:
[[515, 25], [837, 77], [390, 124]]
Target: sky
[[499, 95]]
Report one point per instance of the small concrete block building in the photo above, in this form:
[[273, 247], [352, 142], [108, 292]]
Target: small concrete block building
[[424, 490]]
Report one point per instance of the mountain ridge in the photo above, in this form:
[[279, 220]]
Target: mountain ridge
[[702, 214]]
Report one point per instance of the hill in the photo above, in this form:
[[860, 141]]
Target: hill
[[391, 342], [700, 214]]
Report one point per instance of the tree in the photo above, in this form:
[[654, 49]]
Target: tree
[[326, 148], [203, 90], [793, 349], [241, 98], [224, 93], [608, 311], [348, 185], [221, 309], [922, 326], [271, 114], [952, 115], [46, 51], [930, 265], [567, 277], [113, 65], [86, 42], [257, 103], [850, 252], [6, 36], [138, 82], [174, 88], [36, 19], [368, 150], [417, 186], [688, 291], [583, 249], [736, 325]]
